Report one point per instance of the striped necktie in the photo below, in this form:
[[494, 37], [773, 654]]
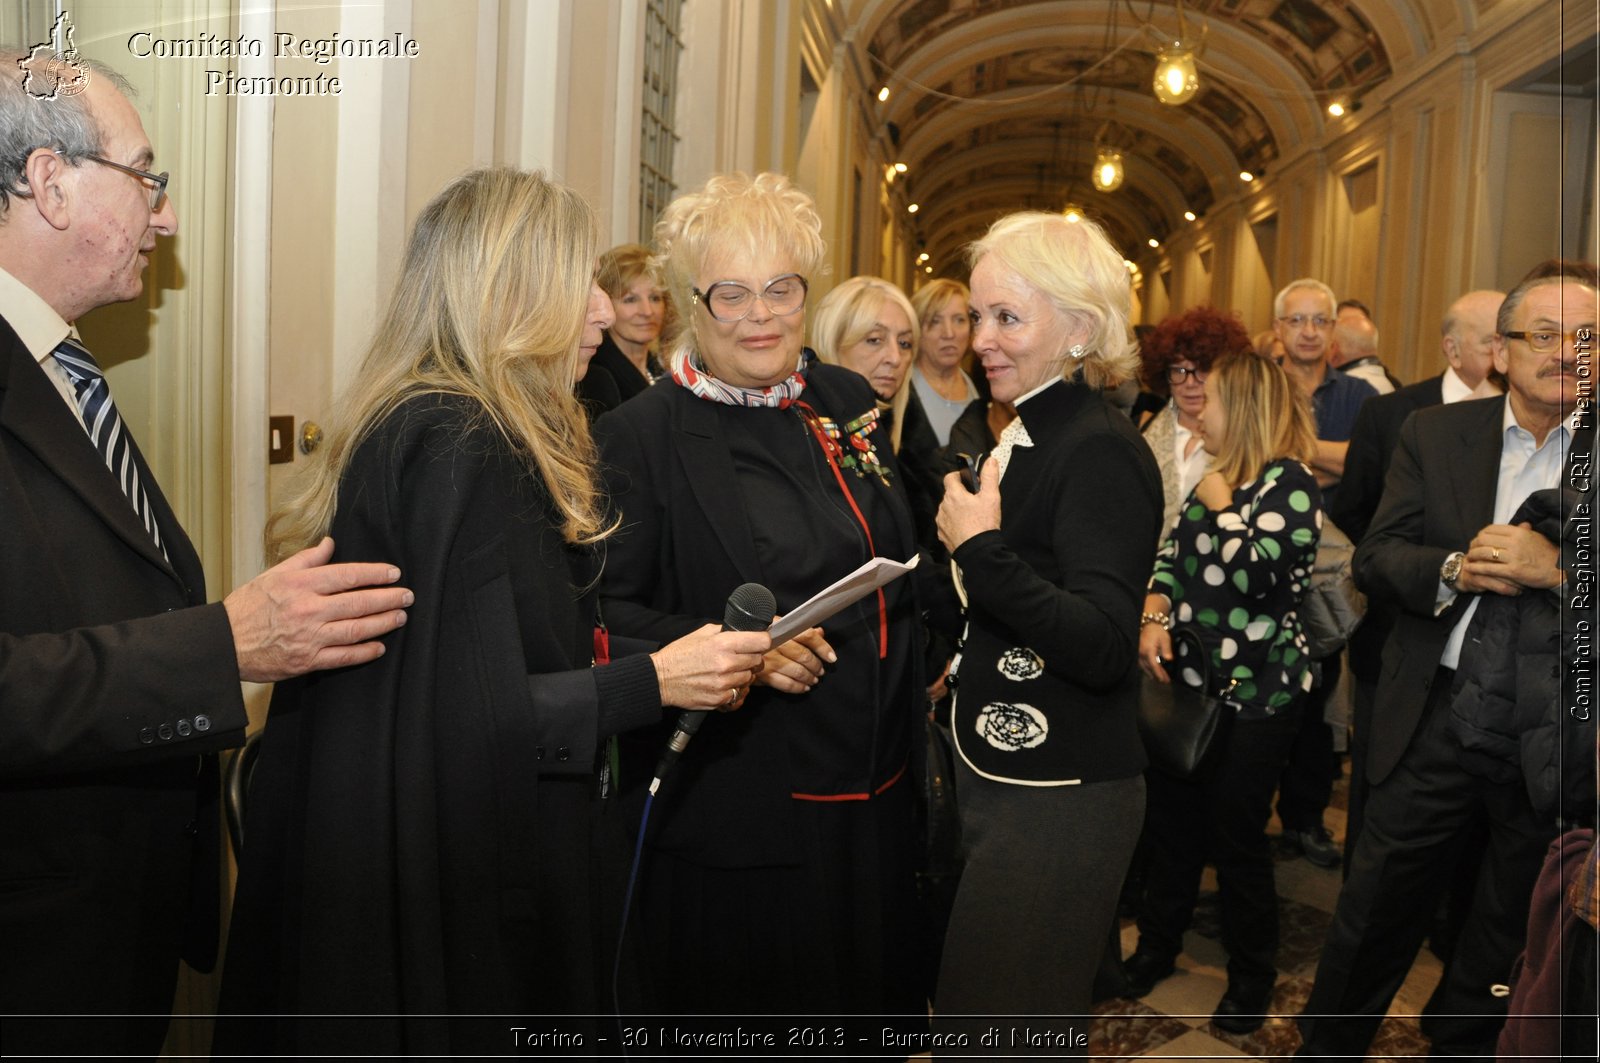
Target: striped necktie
[[106, 429]]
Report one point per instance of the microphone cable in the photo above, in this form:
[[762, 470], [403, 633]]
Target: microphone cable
[[750, 608], [622, 931]]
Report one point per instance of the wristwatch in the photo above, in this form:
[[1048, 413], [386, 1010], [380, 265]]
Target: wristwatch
[[1450, 571]]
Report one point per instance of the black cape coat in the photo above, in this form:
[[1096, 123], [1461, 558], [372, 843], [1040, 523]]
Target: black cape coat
[[425, 834]]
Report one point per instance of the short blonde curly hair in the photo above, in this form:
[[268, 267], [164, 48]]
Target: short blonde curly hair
[[734, 213], [1074, 266]]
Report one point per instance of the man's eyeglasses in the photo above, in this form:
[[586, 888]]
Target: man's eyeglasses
[[157, 181], [1300, 321], [729, 301], [1548, 341], [1176, 373]]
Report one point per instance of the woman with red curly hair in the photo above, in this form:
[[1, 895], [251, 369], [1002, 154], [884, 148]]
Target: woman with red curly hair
[[1176, 358]]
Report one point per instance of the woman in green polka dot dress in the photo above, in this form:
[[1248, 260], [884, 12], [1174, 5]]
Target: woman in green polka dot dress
[[1235, 567]]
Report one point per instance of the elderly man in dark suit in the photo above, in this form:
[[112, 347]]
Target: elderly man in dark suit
[[1440, 539], [118, 684], [1467, 341]]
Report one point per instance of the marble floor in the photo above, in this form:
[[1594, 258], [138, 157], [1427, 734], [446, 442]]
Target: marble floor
[[1174, 1020]]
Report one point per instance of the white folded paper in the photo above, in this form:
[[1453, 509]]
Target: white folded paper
[[852, 588]]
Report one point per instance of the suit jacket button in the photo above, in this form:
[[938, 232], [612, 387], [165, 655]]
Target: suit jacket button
[[563, 753], [538, 752], [191, 828], [184, 729], [165, 731], [146, 735], [202, 722]]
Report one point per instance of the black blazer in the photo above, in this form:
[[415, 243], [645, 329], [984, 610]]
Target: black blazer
[[1372, 443], [1439, 494], [923, 474], [1054, 598], [602, 397], [684, 545], [115, 678]]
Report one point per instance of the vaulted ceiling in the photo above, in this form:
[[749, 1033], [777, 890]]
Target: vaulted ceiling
[[996, 105]]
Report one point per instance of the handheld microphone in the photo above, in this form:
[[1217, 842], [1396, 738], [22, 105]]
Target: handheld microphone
[[750, 608]]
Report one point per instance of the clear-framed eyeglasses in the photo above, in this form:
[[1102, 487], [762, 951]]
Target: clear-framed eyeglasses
[[157, 182], [1300, 321], [730, 301]]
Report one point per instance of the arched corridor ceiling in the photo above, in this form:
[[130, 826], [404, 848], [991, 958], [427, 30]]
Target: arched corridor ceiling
[[995, 105]]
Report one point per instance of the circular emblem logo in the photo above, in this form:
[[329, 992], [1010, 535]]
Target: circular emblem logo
[[1020, 663], [1012, 727]]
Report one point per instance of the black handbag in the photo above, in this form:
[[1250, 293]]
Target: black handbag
[[1183, 726]]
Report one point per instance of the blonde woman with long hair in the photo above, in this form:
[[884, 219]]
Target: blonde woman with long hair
[[423, 832], [1234, 568]]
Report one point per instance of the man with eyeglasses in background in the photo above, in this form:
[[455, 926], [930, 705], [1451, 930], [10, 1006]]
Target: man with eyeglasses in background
[[118, 683], [1306, 312], [1467, 342], [1440, 545]]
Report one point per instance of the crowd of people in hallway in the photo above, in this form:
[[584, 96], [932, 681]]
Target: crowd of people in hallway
[[572, 460]]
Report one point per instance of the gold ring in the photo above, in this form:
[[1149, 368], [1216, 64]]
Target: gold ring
[[1494, 554]]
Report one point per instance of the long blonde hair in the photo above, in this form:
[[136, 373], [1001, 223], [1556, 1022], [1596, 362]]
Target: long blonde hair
[[489, 305], [1268, 417], [847, 314]]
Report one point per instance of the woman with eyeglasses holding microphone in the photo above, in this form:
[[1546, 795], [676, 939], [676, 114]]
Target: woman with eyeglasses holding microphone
[[778, 868]]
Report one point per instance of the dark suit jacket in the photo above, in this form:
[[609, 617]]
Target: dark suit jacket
[[114, 679], [1438, 495], [1372, 443]]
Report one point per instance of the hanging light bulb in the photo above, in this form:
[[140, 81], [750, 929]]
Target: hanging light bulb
[[1073, 213], [1176, 81], [1107, 173]]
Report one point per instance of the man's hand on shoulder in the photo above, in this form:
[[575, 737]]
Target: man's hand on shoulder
[[304, 615]]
